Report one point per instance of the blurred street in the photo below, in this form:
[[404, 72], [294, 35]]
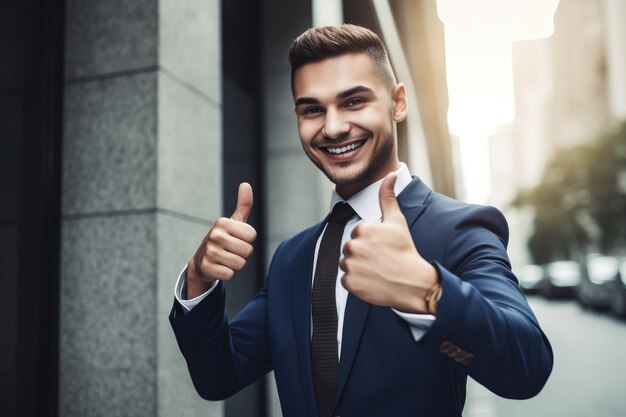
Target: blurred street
[[589, 373]]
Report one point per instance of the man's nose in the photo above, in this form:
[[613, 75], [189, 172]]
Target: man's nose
[[335, 125]]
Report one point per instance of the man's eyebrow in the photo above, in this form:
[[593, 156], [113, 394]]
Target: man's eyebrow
[[354, 90], [340, 96], [306, 100]]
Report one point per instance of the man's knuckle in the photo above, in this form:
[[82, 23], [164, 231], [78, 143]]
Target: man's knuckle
[[224, 273], [350, 282], [229, 274], [242, 264], [216, 236], [208, 267], [348, 248], [211, 252], [348, 263], [342, 264], [346, 281], [252, 235]]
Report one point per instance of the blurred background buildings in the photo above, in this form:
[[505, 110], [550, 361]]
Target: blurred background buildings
[[569, 89], [129, 125]]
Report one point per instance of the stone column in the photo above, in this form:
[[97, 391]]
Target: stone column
[[141, 185]]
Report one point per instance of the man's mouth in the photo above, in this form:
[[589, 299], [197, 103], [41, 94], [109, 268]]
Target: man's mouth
[[343, 149]]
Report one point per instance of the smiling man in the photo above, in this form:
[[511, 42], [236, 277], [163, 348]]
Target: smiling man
[[389, 303]]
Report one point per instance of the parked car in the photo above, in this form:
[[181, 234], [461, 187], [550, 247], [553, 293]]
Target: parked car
[[561, 279], [597, 286], [618, 302], [530, 278]]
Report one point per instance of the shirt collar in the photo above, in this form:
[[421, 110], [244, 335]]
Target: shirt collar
[[366, 202]]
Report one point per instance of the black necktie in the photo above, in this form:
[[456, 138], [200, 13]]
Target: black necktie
[[324, 310]]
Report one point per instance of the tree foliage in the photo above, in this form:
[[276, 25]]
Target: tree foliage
[[580, 203]]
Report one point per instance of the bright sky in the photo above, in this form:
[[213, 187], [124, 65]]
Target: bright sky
[[479, 36]]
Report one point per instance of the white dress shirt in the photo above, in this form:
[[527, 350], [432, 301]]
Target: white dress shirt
[[367, 207]]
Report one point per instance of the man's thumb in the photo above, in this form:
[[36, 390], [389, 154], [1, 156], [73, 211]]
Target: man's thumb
[[388, 204], [244, 203]]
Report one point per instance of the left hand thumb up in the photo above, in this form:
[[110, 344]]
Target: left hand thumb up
[[388, 204]]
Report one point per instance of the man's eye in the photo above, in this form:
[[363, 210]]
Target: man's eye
[[355, 102], [312, 110]]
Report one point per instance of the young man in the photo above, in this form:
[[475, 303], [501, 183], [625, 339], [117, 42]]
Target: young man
[[384, 307]]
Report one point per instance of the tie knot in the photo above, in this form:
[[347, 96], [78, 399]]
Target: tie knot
[[342, 212]]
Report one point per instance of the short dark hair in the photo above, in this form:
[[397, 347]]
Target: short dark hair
[[323, 42]]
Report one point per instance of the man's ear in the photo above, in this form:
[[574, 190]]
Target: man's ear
[[400, 103]]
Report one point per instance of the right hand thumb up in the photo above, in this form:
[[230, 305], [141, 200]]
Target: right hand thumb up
[[225, 248], [244, 203]]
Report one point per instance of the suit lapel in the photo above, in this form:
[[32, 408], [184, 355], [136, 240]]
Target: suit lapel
[[411, 201], [301, 308]]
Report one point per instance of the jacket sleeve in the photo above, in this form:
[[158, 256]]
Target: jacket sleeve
[[223, 357], [484, 324]]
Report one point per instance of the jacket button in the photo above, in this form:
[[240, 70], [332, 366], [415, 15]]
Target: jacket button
[[463, 357], [449, 349], [453, 351], [445, 347], [468, 359]]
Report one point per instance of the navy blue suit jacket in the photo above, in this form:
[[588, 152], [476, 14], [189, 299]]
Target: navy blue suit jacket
[[484, 326]]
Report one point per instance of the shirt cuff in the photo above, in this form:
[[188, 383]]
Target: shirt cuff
[[418, 323], [180, 287]]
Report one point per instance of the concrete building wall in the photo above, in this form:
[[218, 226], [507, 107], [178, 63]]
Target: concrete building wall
[[141, 185]]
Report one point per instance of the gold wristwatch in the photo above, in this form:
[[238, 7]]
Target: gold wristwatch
[[432, 298]]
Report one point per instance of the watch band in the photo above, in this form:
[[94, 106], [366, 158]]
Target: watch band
[[432, 297]]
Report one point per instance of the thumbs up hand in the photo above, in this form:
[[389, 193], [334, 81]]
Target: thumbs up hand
[[225, 249], [382, 265]]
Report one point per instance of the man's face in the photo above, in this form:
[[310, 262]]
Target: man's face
[[346, 113]]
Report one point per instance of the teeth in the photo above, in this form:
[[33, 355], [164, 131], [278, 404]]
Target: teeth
[[345, 148]]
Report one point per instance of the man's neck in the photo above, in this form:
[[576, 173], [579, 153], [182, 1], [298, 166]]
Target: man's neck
[[348, 190]]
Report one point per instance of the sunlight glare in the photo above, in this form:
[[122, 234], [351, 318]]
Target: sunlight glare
[[478, 39]]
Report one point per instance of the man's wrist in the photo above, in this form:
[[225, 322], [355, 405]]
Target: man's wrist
[[195, 285], [412, 298]]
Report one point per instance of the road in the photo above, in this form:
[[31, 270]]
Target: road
[[589, 375]]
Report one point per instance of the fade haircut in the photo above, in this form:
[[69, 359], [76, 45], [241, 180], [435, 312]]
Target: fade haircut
[[323, 42]]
